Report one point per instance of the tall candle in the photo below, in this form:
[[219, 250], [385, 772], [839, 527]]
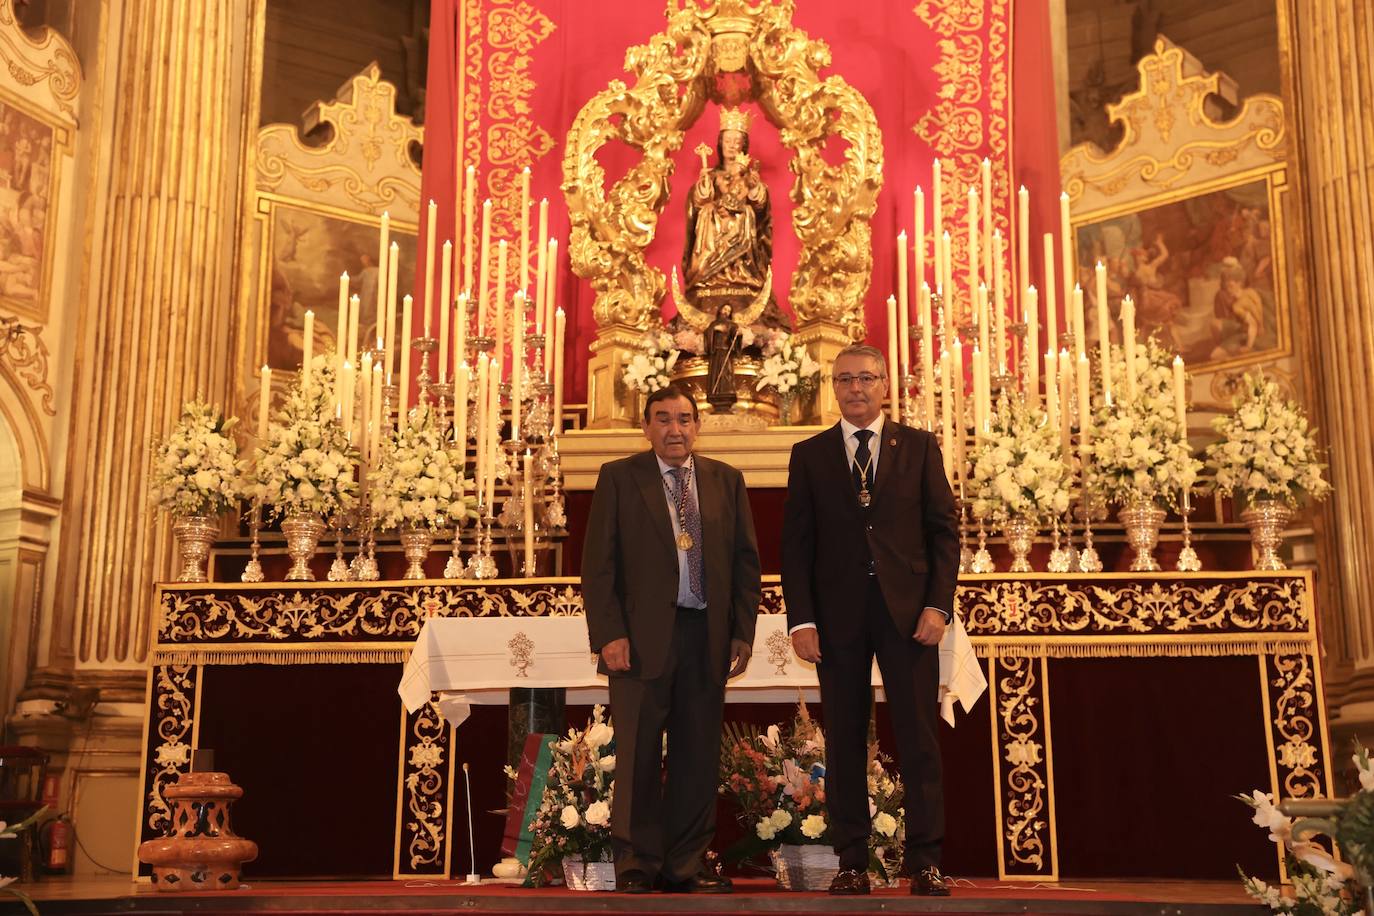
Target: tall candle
[[946, 416], [1023, 240], [1032, 380], [365, 401], [979, 418], [460, 330], [1084, 398], [1051, 295], [973, 263], [541, 258], [494, 430], [947, 283], [529, 513], [894, 384], [483, 407], [1104, 332], [346, 397], [1065, 434], [307, 349], [559, 329], [1066, 247], [984, 332], [1128, 343], [1180, 398], [1080, 334], [517, 364], [264, 402], [999, 303], [484, 270], [383, 250], [919, 240], [375, 437], [403, 404], [1051, 392], [462, 380], [525, 228], [470, 225], [986, 218], [903, 309], [937, 216], [341, 323], [960, 414], [393, 260], [550, 297], [927, 357], [354, 307], [445, 308], [430, 217], [501, 250]]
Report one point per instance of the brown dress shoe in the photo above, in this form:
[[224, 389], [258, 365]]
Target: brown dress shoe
[[929, 883], [849, 882]]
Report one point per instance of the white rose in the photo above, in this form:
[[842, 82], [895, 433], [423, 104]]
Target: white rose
[[885, 824], [569, 817], [599, 735], [813, 826], [598, 814], [205, 480], [606, 764], [765, 829], [780, 818]]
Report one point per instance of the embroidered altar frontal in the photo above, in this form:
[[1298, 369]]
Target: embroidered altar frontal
[[1118, 707]]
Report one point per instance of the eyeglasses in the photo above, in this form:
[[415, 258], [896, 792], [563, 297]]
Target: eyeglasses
[[865, 379]]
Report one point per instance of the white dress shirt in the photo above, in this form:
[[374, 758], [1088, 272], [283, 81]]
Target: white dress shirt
[[851, 445], [685, 598]]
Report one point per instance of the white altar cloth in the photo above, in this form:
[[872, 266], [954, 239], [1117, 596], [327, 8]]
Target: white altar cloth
[[467, 660]]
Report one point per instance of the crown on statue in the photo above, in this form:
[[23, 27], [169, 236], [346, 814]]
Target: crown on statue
[[730, 16], [735, 119]]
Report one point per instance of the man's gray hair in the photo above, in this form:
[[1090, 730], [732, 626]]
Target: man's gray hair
[[858, 349]]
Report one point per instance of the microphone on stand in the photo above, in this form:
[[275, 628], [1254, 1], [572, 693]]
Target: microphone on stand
[[473, 876]]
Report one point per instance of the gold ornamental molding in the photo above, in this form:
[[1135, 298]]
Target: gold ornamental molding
[[368, 163], [674, 76], [42, 62], [1172, 138]]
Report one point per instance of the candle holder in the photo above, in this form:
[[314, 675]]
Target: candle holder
[[481, 565], [538, 422], [424, 346], [390, 395], [443, 393], [480, 344], [364, 565], [1002, 382], [1088, 560], [338, 570], [1188, 560], [908, 392], [965, 554], [1059, 561], [982, 559], [252, 572]]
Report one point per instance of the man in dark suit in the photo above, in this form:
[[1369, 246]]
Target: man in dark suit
[[870, 555], [670, 581]]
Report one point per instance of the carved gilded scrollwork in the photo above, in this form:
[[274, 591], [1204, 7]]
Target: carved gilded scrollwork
[[168, 754], [41, 56], [27, 355], [833, 204], [1021, 731], [426, 773]]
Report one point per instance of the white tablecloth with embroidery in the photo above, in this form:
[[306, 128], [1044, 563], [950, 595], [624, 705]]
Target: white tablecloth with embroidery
[[467, 660]]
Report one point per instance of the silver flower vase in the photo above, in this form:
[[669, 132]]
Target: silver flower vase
[[303, 531], [416, 541], [1267, 519], [195, 536], [1142, 520], [1020, 533]]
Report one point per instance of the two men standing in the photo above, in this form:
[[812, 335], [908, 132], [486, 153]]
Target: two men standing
[[670, 581]]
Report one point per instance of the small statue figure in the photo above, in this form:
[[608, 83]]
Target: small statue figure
[[722, 341]]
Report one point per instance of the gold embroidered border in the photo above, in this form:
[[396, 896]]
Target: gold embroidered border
[[1021, 766], [424, 795]]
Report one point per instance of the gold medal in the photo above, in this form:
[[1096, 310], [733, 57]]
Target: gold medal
[[684, 541], [865, 499]]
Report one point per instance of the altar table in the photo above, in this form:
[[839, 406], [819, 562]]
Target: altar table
[[1171, 693]]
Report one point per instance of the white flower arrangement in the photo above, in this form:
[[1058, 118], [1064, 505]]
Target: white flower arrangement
[[195, 469], [418, 479], [1136, 447], [307, 464], [789, 370], [649, 371], [1018, 466], [1266, 449], [574, 814]]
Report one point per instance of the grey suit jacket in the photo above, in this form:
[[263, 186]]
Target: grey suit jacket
[[629, 562]]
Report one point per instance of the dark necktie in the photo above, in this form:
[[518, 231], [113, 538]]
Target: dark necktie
[[863, 462], [690, 519]]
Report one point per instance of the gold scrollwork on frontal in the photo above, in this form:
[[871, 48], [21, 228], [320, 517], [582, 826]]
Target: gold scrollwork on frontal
[[672, 82], [426, 775], [1295, 720], [1023, 767], [169, 754]]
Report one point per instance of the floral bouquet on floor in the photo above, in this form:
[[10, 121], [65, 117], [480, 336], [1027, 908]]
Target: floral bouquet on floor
[[1320, 883], [418, 480], [307, 466], [777, 778], [1138, 451], [1265, 449], [572, 825], [195, 469]]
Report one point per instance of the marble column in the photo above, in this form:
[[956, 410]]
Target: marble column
[[1332, 57]]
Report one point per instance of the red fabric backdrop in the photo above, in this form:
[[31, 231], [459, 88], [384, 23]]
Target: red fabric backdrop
[[957, 81]]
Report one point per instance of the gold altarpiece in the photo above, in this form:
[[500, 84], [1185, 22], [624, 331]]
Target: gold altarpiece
[[673, 80]]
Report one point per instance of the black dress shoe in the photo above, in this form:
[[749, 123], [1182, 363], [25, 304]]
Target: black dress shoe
[[849, 882], [929, 883], [703, 882], [634, 883]]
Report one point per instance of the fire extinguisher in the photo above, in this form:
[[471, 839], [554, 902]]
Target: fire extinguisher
[[59, 831]]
